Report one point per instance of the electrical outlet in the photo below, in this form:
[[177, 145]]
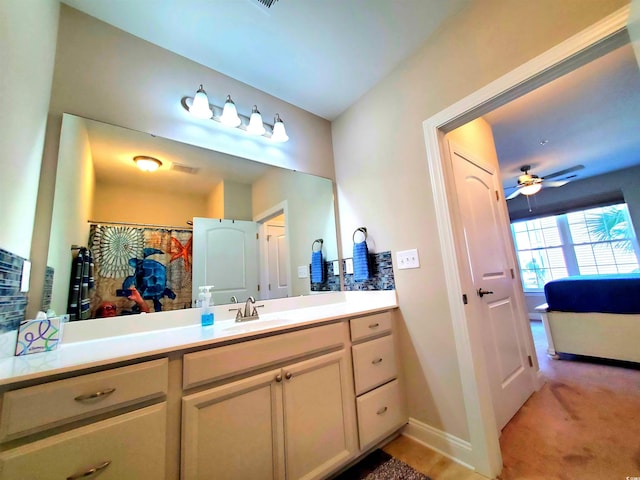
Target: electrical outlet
[[26, 275], [336, 267], [303, 271], [408, 259], [348, 266]]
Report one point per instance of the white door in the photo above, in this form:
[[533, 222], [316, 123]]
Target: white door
[[278, 260], [509, 370], [225, 255]]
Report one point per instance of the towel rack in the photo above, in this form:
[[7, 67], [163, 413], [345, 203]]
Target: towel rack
[[320, 241], [359, 229]]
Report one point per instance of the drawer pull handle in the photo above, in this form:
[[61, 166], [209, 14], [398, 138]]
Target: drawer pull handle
[[382, 410], [376, 361], [288, 375], [374, 325], [278, 378], [93, 396], [91, 471]]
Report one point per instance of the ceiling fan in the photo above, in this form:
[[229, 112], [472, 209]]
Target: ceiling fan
[[529, 184]]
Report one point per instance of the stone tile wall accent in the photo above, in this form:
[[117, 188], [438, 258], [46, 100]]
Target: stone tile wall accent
[[331, 282], [381, 274], [13, 303]]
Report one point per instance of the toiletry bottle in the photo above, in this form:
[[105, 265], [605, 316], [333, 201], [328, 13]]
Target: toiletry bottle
[[206, 317]]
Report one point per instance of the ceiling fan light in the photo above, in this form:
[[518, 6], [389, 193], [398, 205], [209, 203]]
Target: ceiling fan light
[[531, 189], [255, 127], [147, 164], [279, 132], [229, 115], [200, 105]]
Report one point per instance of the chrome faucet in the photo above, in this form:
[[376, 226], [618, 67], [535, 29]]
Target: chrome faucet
[[250, 310]]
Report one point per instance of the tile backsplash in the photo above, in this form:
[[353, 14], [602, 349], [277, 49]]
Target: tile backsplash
[[381, 274], [331, 281], [13, 303]]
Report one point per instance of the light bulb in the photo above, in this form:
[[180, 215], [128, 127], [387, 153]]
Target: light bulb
[[229, 115], [200, 105], [279, 133], [147, 164], [531, 189], [255, 127]]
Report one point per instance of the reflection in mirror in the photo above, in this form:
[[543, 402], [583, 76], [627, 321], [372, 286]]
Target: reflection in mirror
[[253, 224]]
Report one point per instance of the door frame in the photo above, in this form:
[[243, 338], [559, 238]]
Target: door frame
[[564, 57], [262, 219]]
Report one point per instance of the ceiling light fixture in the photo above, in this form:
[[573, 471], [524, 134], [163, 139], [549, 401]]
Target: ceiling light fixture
[[147, 164], [531, 189], [228, 115]]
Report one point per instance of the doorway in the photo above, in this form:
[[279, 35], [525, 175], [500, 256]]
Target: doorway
[[565, 57]]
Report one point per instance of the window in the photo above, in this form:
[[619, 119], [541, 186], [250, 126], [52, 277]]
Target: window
[[599, 240]]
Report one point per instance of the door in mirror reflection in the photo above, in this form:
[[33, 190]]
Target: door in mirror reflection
[[225, 257], [278, 261]]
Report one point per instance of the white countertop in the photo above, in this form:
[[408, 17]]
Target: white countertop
[[100, 342]]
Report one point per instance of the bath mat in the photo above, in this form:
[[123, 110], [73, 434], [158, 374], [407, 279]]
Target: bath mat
[[379, 465]]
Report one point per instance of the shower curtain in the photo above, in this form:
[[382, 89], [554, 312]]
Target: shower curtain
[[157, 261]]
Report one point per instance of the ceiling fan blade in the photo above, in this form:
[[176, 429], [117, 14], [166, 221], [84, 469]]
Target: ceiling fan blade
[[559, 173], [513, 195], [557, 183]]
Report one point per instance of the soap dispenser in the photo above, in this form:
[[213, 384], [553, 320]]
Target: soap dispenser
[[206, 317]]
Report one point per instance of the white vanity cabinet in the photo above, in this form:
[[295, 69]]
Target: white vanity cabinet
[[380, 400], [115, 446], [295, 421]]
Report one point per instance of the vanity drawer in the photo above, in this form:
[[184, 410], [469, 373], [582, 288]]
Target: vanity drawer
[[380, 412], [369, 326], [374, 363], [223, 362], [32, 409], [129, 446]]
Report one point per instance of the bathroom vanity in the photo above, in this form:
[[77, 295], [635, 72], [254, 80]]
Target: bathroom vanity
[[298, 394]]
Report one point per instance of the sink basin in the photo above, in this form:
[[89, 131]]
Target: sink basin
[[255, 325]]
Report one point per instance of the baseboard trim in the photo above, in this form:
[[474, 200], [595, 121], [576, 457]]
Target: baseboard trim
[[450, 446]]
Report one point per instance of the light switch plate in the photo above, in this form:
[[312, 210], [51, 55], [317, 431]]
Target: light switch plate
[[336, 267], [348, 266], [408, 259], [303, 271], [26, 275]]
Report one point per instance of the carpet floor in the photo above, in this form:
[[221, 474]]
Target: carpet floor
[[583, 423], [379, 465]]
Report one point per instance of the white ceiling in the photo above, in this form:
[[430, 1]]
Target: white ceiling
[[320, 55]]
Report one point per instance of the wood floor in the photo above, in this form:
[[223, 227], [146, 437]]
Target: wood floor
[[425, 460]]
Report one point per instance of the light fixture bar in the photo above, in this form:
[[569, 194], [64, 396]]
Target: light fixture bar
[[186, 103]]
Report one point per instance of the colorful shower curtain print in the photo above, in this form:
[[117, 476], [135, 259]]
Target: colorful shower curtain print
[[156, 261], [82, 282]]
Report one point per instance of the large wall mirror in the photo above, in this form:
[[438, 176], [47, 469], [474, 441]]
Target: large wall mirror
[[202, 218]]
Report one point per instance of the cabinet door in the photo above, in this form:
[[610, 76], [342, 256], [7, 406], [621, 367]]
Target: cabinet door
[[234, 431], [129, 446], [319, 411]]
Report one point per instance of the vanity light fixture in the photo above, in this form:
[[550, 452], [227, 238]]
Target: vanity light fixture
[[147, 164], [228, 115], [200, 105], [255, 127], [279, 133]]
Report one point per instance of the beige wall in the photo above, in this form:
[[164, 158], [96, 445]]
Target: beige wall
[[382, 172], [237, 201], [215, 202], [28, 30], [72, 207]]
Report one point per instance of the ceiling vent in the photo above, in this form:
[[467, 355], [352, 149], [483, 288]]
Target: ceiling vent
[[264, 5], [184, 168]]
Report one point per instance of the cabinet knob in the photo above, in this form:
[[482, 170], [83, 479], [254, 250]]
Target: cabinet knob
[[382, 410], [93, 396], [90, 471], [376, 361], [288, 375], [278, 378], [374, 325]]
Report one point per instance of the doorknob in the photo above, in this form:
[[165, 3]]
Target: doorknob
[[482, 293]]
